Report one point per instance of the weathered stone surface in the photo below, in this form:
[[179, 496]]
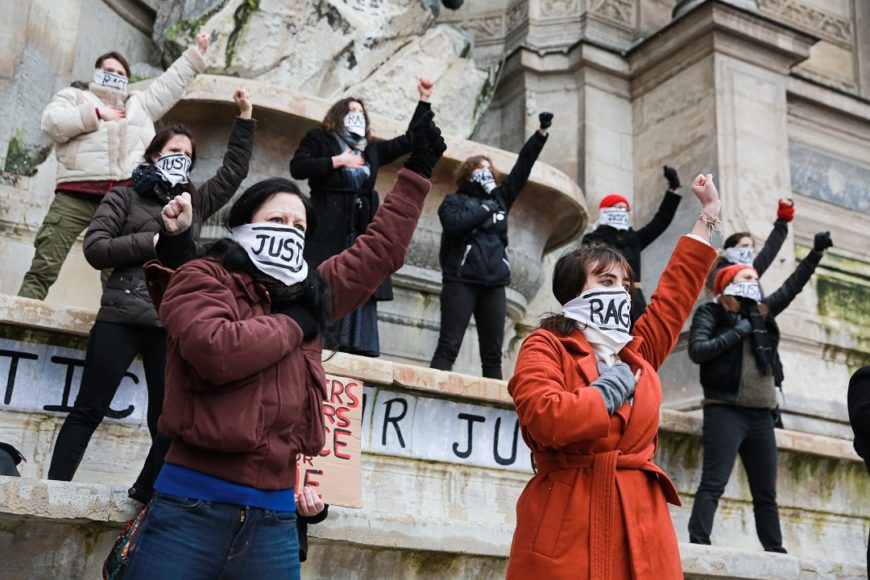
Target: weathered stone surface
[[332, 49]]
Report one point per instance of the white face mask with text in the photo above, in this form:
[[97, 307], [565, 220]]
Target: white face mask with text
[[355, 122], [110, 80], [275, 250], [740, 255], [614, 217], [175, 167], [750, 290], [604, 317]]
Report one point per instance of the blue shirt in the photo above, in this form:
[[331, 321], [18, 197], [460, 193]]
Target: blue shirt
[[184, 482]]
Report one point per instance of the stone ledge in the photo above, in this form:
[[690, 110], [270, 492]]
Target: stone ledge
[[49, 317], [60, 500]]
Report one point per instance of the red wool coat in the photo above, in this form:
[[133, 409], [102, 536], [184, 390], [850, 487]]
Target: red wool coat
[[596, 507]]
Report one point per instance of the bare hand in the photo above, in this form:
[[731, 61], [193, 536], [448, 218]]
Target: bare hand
[[706, 192], [348, 159], [177, 214], [308, 503], [425, 88], [243, 99], [112, 113], [202, 42]]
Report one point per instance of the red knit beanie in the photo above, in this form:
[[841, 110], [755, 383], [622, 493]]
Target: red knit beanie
[[613, 199], [726, 275]]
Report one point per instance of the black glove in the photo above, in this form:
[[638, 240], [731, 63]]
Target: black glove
[[744, 327], [301, 316], [427, 145], [491, 204], [672, 177], [546, 120], [822, 241], [616, 384]]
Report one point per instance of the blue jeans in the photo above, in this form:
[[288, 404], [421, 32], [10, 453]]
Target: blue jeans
[[193, 539]]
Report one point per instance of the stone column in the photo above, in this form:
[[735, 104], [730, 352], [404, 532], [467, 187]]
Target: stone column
[[710, 95]]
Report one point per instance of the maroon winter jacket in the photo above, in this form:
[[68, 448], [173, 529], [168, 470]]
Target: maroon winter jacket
[[244, 393]]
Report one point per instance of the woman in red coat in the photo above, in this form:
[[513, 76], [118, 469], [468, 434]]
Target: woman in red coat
[[588, 399]]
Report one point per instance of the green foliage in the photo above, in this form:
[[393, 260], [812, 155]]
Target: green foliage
[[23, 159], [240, 20]]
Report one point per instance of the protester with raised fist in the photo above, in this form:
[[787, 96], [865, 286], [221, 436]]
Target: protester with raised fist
[[122, 237], [734, 339], [341, 162], [614, 227], [100, 135], [739, 248], [588, 398], [474, 264], [244, 378]]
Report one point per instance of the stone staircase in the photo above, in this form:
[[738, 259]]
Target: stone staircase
[[435, 505]]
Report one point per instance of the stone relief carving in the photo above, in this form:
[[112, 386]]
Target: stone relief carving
[[826, 25], [516, 15], [485, 28], [555, 8], [823, 176], [621, 11]]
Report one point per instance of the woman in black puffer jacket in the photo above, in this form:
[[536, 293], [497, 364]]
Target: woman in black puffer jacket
[[473, 256], [734, 339], [122, 236]]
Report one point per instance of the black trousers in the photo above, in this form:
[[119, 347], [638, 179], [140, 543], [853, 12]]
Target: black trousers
[[489, 306], [729, 430], [111, 349]]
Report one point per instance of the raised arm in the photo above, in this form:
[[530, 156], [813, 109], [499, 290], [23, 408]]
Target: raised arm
[[774, 241], [552, 412], [779, 300], [162, 94], [666, 212], [106, 247], [682, 280], [201, 313], [218, 190], [392, 149], [516, 180], [65, 118]]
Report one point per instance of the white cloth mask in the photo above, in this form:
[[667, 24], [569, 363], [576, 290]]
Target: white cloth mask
[[604, 317], [485, 178], [614, 217], [749, 290], [175, 167], [275, 250], [355, 122], [740, 255], [110, 80]]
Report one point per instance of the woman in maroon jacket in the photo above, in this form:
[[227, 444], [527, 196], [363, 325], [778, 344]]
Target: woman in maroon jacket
[[244, 381]]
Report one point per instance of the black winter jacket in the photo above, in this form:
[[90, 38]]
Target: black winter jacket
[[763, 259], [717, 346], [344, 211], [121, 235], [473, 239]]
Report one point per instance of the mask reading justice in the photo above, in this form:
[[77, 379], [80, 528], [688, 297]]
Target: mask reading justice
[[275, 250]]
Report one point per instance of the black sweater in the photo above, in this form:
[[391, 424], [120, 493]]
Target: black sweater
[[473, 239], [717, 346]]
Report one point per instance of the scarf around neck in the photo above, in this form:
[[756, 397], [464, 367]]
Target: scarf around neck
[[357, 176]]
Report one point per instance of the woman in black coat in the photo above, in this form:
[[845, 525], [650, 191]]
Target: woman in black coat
[[122, 236], [341, 165], [473, 256], [614, 228], [734, 339]]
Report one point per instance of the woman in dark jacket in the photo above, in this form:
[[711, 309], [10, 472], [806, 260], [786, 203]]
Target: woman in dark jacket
[[734, 339], [341, 165], [739, 248], [614, 228], [473, 256], [122, 236], [244, 378]]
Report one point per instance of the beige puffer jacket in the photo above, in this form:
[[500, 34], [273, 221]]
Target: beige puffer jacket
[[89, 149]]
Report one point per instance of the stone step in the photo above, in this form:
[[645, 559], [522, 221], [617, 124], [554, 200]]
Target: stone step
[[54, 529]]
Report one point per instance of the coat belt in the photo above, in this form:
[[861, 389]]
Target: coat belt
[[604, 494]]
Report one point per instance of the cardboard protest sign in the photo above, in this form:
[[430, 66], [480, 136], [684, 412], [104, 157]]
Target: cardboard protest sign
[[335, 473]]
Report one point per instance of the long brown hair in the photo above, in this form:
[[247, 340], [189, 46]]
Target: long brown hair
[[333, 121], [570, 274], [464, 171], [162, 138], [732, 304]]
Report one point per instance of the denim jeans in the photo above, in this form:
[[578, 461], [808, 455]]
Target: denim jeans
[[730, 430], [193, 539]]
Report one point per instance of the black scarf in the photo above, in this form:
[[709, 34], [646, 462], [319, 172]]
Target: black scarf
[[764, 355]]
